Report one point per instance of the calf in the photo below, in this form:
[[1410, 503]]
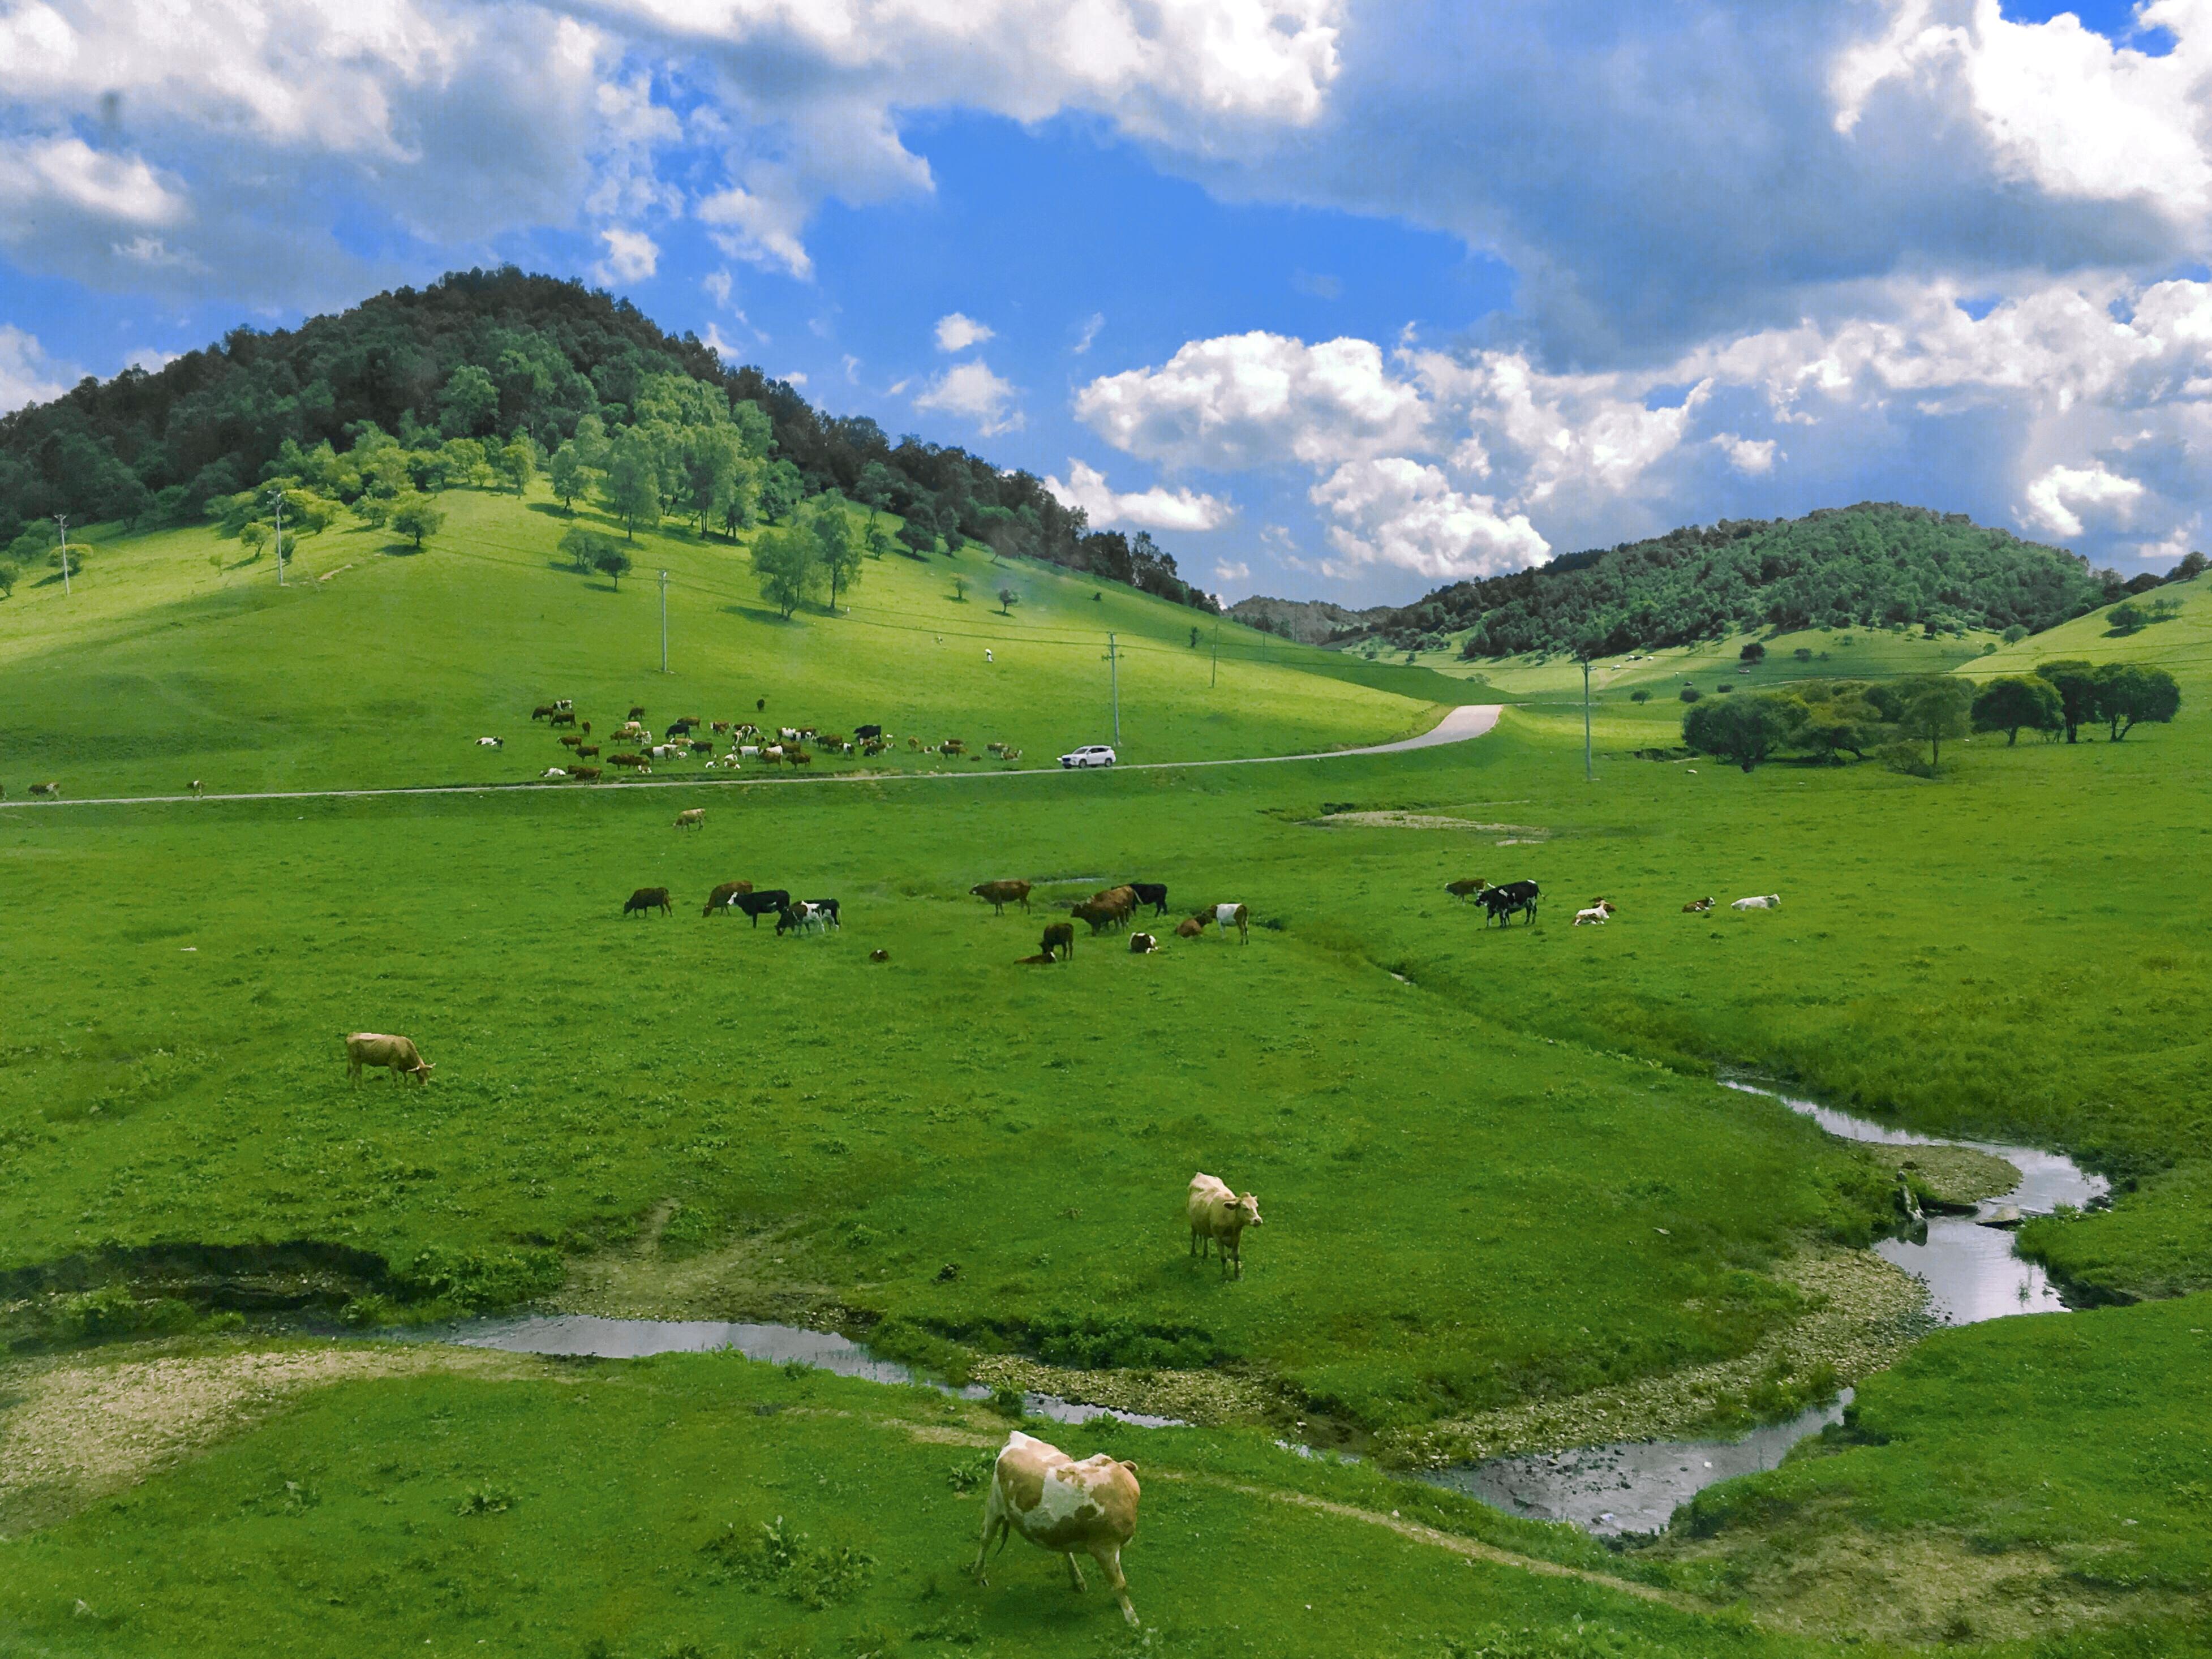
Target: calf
[[1154, 893], [1061, 1505], [1002, 893], [758, 905], [1770, 902], [1059, 941], [1142, 945], [1697, 907], [879, 956], [1191, 926], [198, 788], [721, 897], [1234, 916], [1467, 888], [374, 1048], [649, 898], [691, 818], [827, 909], [1596, 916], [496, 743], [798, 918], [1219, 1215]]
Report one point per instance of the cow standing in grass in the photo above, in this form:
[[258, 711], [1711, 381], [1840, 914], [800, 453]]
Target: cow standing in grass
[[1220, 1215], [1059, 941], [1000, 894], [375, 1048], [1060, 1504], [649, 898]]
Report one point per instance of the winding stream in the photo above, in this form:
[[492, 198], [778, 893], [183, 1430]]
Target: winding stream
[[1967, 1261]]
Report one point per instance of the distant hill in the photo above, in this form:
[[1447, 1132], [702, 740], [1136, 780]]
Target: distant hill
[[491, 357], [1310, 622], [1877, 563]]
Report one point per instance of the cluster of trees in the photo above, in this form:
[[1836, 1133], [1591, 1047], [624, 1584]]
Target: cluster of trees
[[817, 557], [1829, 719], [487, 378], [1872, 565]]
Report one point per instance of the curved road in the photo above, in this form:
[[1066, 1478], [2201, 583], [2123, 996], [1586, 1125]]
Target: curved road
[[1458, 725]]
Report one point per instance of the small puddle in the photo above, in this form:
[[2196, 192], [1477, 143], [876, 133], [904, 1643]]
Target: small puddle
[[1971, 1275], [589, 1335]]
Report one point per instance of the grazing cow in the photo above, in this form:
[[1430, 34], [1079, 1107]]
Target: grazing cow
[[701, 746], [1697, 907], [788, 733], [798, 918], [632, 731], [721, 727], [585, 774], [625, 758], [496, 743], [1770, 902], [198, 788], [1467, 888], [1060, 1504], [1234, 916], [827, 910], [1154, 893], [667, 751], [649, 898], [1596, 916], [1059, 941], [952, 747], [637, 711], [758, 905], [374, 1048], [586, 750], [564, 704], [565, 717], [798, 758], [865, 733], [1142, 945], [721, 897], [879, 956], [53, 789], [1217, 1215], [543, 710], [1100, 915], [1191, 926], [759, 703], [572, 741], [1514, 898], [1002, 893], [553, 773], [691, 818], [681, 726]]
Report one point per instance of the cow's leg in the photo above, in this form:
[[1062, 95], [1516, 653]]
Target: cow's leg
[[1075, 1572], [1109, 1557], [993, 1519], [353, 1072]]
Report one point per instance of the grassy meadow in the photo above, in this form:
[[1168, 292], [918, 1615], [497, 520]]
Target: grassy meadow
[[1495, 1164]]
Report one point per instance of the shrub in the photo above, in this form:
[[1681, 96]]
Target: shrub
[[1753, 652], [1690, 693], [1639, 696], [2125, 618], [1746, 730]]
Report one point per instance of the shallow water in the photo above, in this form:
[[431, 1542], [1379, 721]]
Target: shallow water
[[1971, 1275], [579, 1335]]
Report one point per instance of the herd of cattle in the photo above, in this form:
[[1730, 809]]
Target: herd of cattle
[[1112, 907], [1518, 898]]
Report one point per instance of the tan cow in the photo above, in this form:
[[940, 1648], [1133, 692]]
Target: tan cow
[[1002, 893], [1060, 1504], [374, 1048], [1217, 1214], [1191, 926], [1466, 888], [691, 818], [721, 897]]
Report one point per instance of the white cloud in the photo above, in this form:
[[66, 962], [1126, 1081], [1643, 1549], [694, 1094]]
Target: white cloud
[[1405, 513], [759, 228], [2061, 495], [1091, 325], [152, 359], [852, 365], [1157, 509], [1745, 454], [795, 378], [1229, 573], [632, 255], [27, 375], [956, 332], [971, 391], [721, 347], [717, 285]]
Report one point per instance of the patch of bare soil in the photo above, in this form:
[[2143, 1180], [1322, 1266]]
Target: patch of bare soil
[[1191, 1396], [1862, 1313], [75, 1426], [1917, 1587], [1955, 1175], [1394, 820]]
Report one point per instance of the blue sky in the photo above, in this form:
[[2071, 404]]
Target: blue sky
[[1340, 298]]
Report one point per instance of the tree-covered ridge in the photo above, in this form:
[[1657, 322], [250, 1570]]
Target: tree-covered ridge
[[1863, 566], [518, 366]]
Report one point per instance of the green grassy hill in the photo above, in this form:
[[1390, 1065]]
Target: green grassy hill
[[378, 665]]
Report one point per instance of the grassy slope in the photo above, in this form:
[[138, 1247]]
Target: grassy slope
[[158, 670]]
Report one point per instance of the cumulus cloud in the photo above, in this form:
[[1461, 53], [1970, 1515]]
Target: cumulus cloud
[[632, 255], [956, 332], [972, 391], [27, 375], [1157, 509], [2061, 495], [1398, 511]]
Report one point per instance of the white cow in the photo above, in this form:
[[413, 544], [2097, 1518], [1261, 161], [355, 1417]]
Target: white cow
[[553, 772], [1596, 916], [1771, 901], [491, 743]]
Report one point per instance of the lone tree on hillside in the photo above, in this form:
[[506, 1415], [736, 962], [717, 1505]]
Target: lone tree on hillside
[[2125, 618], [1746, 730], [789, 561], [612, 562], [2076, 682], [836, 544], [1007, 600], [2129, 693], [417, 516], [569, 475], [1937, 707], [1753, 653], [583, 548], [2012, 701], [632, 485]]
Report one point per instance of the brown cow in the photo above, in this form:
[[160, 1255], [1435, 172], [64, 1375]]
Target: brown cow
[[1059, 940], [879, 956], [1191, 926], [1100, 916], [1219, 1214], [564, 717], [1002, 893], [587, 774], [1467, 888], [637, 712], [721, 897], [649, 898], [572, 741], [691, 818], [627, 759], [53, 789], [374, 1048], [1142, 945], [1060, 1504], [585, 751], [543, 710], [1697, 907]]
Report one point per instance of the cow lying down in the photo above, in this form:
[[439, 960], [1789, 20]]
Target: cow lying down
[[1060, 1504]]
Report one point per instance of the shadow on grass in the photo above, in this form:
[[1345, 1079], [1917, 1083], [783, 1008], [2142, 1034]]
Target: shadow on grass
[[756, 613]]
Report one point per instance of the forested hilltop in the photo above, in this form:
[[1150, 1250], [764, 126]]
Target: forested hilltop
[[498, 375], [1863, 566]]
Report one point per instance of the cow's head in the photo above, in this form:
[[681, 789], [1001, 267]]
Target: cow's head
[[1248, 1210], [421, 1072]]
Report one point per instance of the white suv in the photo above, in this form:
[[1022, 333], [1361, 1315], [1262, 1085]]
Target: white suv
[[1092, 754]]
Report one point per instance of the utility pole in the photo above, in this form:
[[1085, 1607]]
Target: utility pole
[[663, 621], [1588, 775], [1114, 658], [276, 496], [61, 523]]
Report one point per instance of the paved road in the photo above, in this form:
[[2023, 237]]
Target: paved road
[[1458, 725]]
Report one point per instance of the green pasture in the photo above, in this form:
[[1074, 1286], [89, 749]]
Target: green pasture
[[378, 665]]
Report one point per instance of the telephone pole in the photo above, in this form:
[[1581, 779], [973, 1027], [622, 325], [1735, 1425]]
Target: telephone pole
[[276, 498], [1588, 775], [663, 621], [1114, 660], [61, 524]]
